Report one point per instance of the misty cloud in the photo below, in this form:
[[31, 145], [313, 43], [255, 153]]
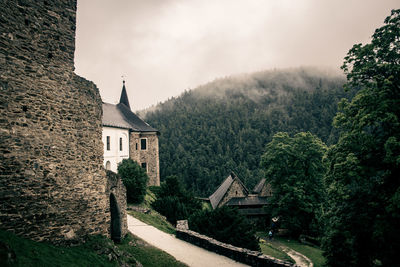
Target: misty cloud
[[166, 47]]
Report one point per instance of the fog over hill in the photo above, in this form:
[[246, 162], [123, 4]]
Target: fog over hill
[[224, 125]]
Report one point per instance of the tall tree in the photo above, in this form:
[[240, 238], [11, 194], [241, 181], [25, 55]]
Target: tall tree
[[294, 168], [363, 212]]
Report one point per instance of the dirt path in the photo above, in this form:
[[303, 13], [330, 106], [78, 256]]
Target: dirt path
[[300, 259], [181, 250]]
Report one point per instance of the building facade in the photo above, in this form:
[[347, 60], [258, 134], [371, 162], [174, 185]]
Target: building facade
[[125, 135]]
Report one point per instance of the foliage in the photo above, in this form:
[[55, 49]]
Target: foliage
[[174, 202], [224, 126], [135, 180], [363, 208], [294, 168], [226, 225]]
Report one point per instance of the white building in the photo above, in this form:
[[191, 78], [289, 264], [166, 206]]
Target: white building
[[125, 135]]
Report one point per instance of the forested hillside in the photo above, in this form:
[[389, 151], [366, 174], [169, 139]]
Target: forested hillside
[[225, 124]]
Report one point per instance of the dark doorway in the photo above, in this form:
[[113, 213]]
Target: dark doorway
[[115, 219]]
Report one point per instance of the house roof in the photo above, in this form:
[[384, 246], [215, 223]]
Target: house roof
[[219, 194], [257, 189], [121, 116], [250, 200]]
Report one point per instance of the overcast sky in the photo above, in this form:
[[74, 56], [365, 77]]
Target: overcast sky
[[164, 47]]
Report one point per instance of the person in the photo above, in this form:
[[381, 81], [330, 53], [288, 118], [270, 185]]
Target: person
[[270, 234]]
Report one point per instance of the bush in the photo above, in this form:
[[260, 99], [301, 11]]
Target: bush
[[226, 225], [174, 202], [135, 180]]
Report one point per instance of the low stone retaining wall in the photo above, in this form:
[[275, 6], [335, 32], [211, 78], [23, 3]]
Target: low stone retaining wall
[[246, 256]]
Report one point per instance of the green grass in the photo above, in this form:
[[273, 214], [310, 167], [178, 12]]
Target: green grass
[[155, 219], [146, 254], [313, 253], [30, 253], [93, 253], [269, 249]]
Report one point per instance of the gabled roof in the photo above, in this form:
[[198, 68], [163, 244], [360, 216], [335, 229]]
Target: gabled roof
[[121, 116], [219, 194], [257, 189]]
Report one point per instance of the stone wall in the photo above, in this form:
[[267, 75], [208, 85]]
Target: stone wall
[[252, 258], [149, 156], [235, 190], [53, 185]]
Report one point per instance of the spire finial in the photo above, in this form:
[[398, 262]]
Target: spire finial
[[123, 79]]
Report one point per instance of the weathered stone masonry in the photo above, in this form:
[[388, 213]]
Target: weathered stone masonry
[[149, 156], [52, 182]]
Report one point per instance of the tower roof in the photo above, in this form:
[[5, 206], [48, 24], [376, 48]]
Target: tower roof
[[124, 96]]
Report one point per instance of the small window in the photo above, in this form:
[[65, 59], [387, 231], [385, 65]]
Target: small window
[[144, 166], [136, 146], [143, 144], [108, 165], [120, 144], [108, 143]]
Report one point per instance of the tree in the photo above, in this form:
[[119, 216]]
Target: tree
[[174, 202], [135, 180], [226, 225], [363, 204], [294, 168], [224, 126]]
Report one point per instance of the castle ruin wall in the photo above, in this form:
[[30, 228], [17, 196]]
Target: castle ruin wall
[[52, 182]]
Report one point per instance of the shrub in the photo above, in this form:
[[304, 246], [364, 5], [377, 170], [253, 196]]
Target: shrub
[[135, 180], [174, 202], [226, 225]]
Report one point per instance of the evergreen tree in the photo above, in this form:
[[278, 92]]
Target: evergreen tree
[[224, 126], [174, 202], [363, 211]]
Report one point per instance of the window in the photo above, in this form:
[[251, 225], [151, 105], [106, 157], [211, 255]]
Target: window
[[108, 143], [108, 165], [136, 146], [143, 144], [120, 144], [144, 165]]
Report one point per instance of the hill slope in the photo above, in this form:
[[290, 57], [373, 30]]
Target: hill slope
[[225, 124]]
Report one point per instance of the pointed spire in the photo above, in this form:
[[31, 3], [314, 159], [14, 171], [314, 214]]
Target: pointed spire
[[124, 96]]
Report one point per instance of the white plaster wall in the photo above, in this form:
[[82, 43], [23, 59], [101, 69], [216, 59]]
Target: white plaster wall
[[114, 155]]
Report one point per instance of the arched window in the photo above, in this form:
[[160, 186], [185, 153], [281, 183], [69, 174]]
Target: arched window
[[108, 165]]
